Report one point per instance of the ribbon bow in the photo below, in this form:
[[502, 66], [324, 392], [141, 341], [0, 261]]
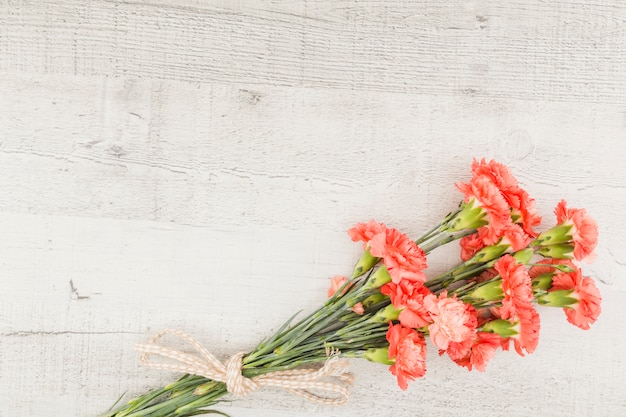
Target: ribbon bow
[[332, 377]]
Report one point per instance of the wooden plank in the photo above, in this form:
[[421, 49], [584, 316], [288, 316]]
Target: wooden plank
[[558, 51], [195, 165], [214, 154], [85, 290]]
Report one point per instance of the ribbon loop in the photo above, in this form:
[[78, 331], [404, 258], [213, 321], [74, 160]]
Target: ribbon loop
[[333, 377], [236, 383]]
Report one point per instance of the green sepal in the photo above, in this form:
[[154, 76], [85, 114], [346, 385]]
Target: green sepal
[[557, 298], [379, 355], [560, 251], [470, 217], [386, 314], [562, 267], [489, 291], [488, 253], [504, 328], [373, 299], [364, 264], [561, 233], [543, 281], [379, 278], [523, 256]]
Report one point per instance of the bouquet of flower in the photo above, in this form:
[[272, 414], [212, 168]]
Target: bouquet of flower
[[387, 309]]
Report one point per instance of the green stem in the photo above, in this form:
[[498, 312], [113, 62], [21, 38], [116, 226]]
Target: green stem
[[459, 273], [293, 345], [435, 231], [446, 238], [439, 229]]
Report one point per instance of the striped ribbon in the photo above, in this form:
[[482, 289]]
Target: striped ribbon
[[332, 377]]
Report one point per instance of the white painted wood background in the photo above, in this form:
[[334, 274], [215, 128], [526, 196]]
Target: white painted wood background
[[195, 165]]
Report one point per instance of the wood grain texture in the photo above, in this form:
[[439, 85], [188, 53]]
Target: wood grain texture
[[566, 51], [195, 164]]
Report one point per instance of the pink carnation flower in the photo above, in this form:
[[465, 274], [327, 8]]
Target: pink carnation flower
[[409, 297], [408, 348], [335, 283], [402, 257], [527, 326], [482, 350], [584, 229], [522, 206], [515, 237], [587, 310], [488, 196], [498, 173], [496, 190], [364, 232], [516, 286], [523, 210], [452, 321], [511, 236], [457, 350], [471, 244]]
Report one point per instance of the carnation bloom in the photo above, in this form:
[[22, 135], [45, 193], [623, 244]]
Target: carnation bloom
[[587, 308], [335, 283], [486, 246], [471, 244], [483, 348], [526, 325], [498, 173], [516, 286], [458, 350], [514, 237], [402, 257], [408, 297], [584, 230], [495, 190], [485, 194], [523, 210], [452, 321], [408, 348], [364, 232]]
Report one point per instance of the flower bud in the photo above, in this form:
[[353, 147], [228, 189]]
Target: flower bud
[[206, 387]]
